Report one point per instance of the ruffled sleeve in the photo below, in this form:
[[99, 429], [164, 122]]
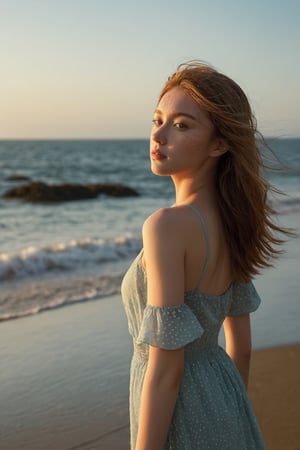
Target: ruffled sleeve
[[245, 299], [169, 327]]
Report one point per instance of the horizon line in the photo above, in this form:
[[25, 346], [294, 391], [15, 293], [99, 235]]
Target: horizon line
[[110, 138]]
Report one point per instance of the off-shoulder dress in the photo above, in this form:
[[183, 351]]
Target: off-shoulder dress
[[212, 410]]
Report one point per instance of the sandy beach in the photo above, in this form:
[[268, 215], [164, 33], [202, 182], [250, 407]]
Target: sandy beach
[[64, 377], [274, 390], [64, 382]]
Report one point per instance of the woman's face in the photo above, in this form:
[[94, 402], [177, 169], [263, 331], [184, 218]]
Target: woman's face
[[183, 136]]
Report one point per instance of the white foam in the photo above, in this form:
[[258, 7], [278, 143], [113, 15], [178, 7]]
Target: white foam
[[32, 296], [66, 256]]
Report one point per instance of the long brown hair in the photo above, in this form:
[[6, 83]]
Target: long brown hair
[[251, 234]]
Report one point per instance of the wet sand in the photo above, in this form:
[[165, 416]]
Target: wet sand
[[64, 382]]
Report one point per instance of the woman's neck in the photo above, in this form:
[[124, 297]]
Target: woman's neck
[[198, 183], [189, 190]]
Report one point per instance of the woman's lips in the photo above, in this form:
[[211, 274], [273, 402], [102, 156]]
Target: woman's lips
[[156, 155]]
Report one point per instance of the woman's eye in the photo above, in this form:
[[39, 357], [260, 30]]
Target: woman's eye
[[156, 122], [180, 125]]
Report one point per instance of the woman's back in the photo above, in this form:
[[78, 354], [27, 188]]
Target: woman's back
[[206, 247]]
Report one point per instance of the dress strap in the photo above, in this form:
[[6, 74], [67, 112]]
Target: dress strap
[[205, 232]]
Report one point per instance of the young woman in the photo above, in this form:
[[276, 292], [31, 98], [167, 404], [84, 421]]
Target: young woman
[[194, 272]]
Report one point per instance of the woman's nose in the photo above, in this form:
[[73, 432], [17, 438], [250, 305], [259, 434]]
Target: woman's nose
[[159, 136]]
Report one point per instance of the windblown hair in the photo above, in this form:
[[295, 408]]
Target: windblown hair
[[251, 234]]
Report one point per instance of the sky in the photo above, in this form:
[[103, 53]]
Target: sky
[[88, 69]]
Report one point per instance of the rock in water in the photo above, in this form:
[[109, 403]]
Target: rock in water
[[17, 177], [39, 192]]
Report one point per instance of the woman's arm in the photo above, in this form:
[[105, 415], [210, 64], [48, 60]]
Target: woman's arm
[[160, 389], [164, 258], [238, 343]]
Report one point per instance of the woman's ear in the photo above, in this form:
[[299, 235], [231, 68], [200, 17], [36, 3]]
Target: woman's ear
[[219, 148]]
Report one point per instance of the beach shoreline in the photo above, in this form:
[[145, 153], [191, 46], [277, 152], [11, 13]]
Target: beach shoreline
[[65, 382]]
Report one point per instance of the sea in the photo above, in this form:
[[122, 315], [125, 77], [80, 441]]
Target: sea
[[54, 255]]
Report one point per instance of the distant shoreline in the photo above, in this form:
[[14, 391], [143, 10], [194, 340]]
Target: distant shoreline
[[107, 139]]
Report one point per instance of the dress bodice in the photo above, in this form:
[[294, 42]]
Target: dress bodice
[[194, 324]]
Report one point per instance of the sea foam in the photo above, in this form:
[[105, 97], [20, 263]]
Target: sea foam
[[66, 256]]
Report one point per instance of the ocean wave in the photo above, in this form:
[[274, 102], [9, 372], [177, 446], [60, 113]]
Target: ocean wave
[[70, 256], [33, 297], [286, 204], [79, 254]]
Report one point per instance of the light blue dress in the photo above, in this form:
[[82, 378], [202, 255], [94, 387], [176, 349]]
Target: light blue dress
[[212, 410]]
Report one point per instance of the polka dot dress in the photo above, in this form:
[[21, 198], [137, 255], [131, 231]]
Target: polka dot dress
[[212, 410]]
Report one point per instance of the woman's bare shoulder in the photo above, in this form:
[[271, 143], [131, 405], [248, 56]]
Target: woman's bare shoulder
[[166, 220]]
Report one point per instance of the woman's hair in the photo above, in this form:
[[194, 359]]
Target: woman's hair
[[251, 234]]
